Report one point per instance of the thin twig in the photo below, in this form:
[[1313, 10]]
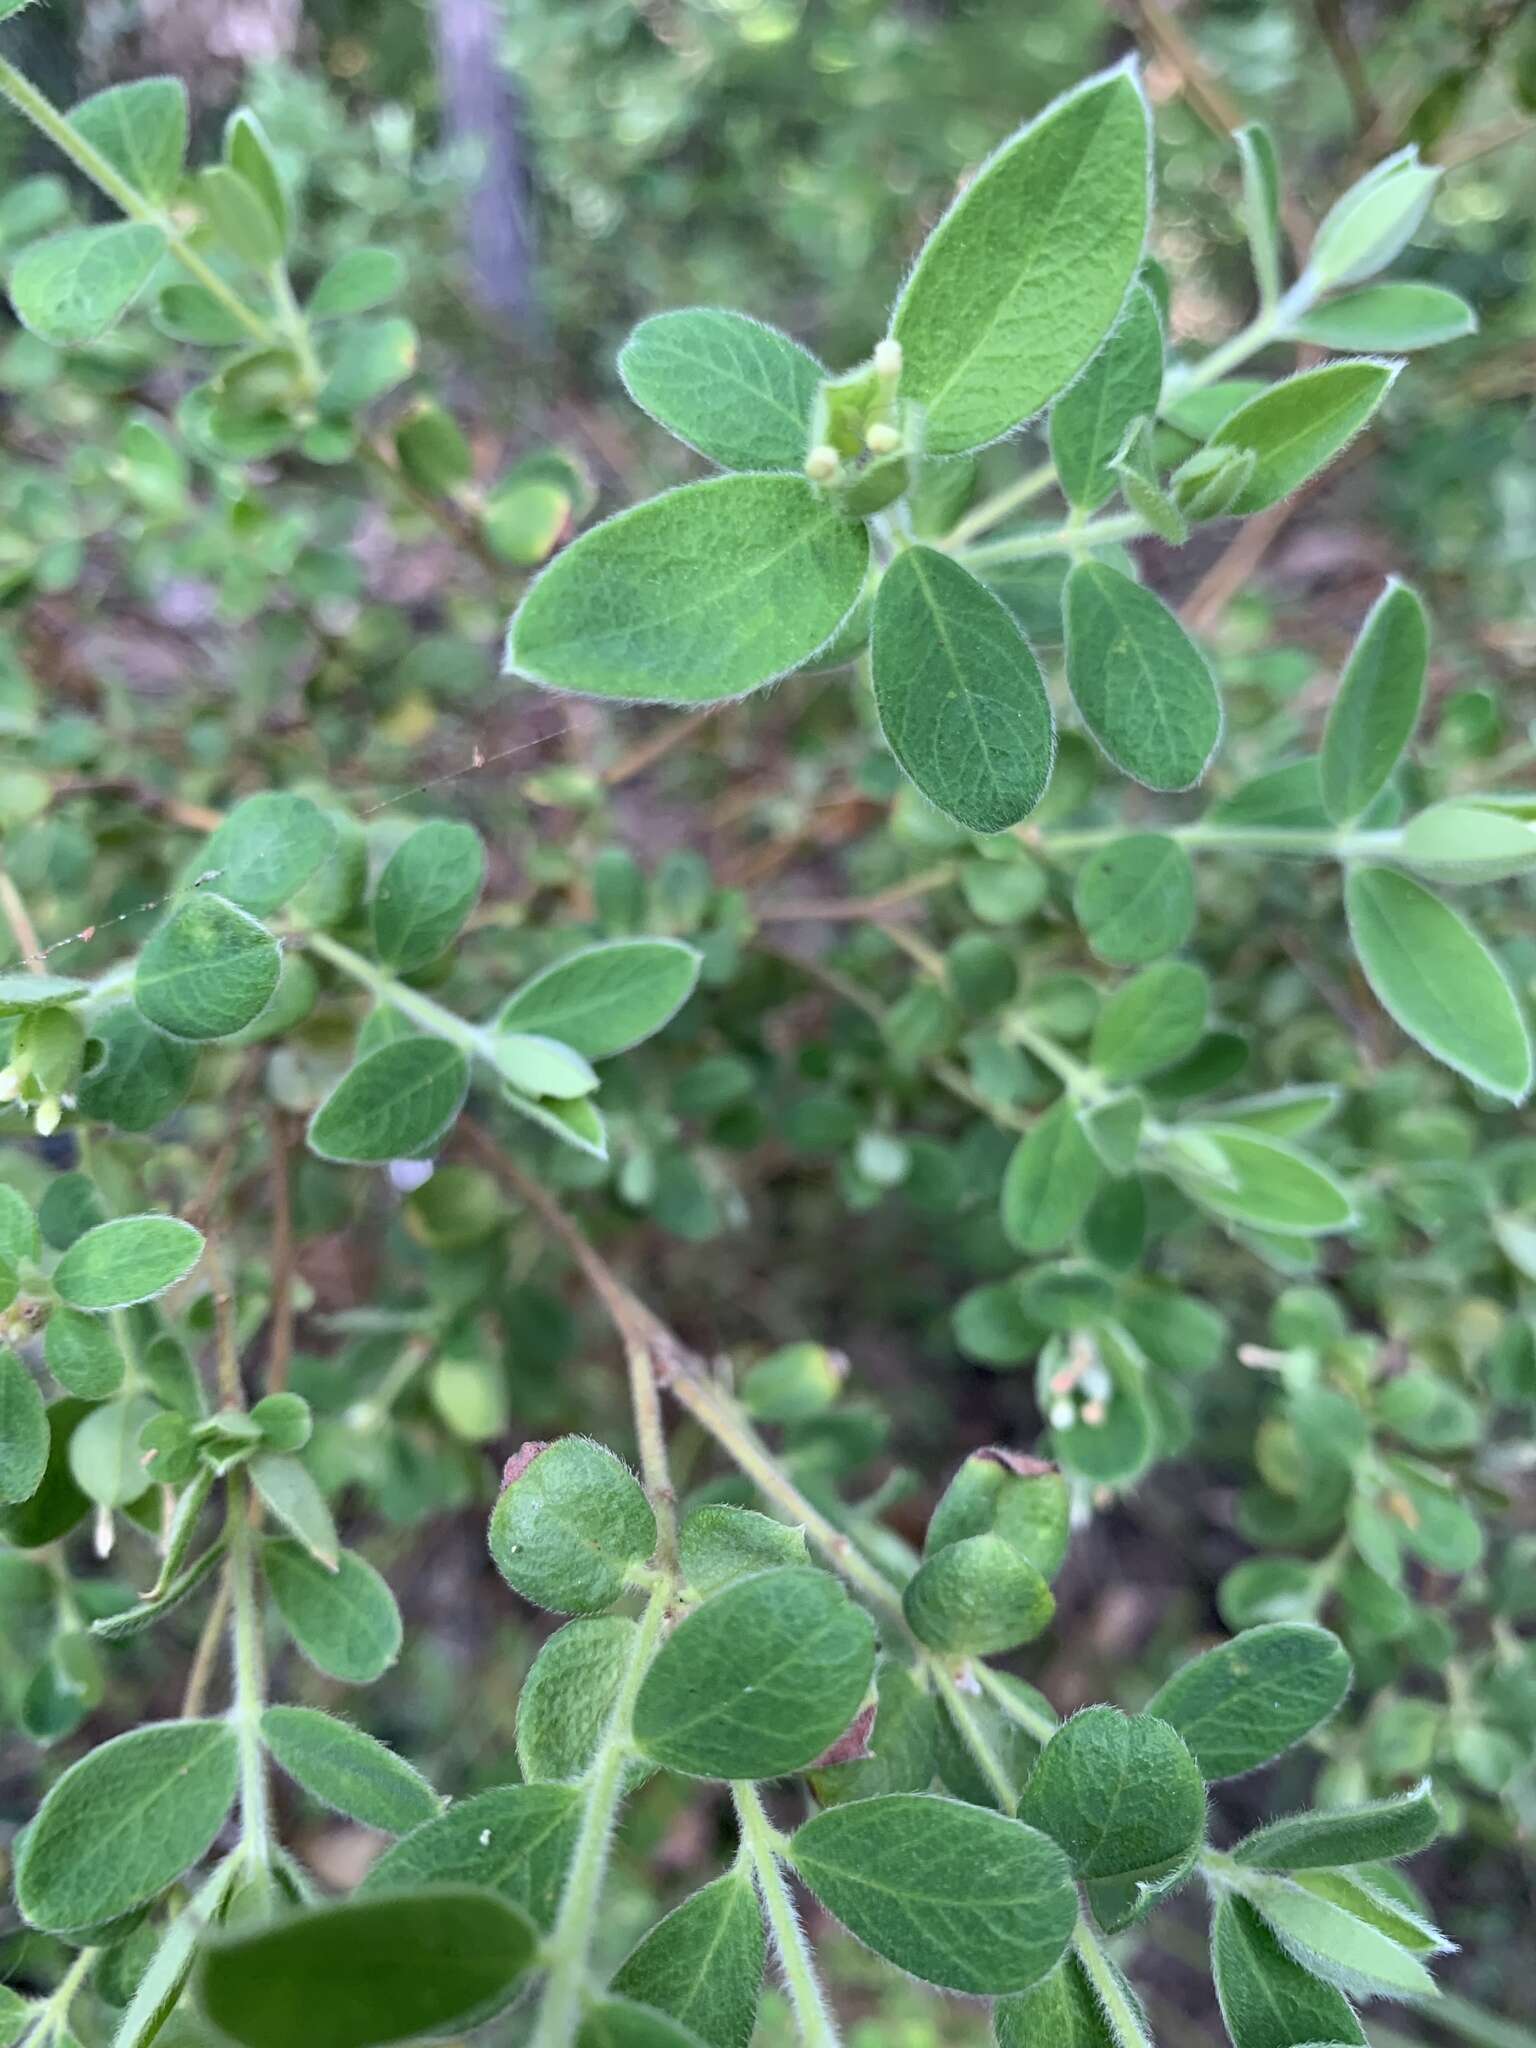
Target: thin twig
[[848, 909], [1341, 45], [231, 1391], [657, 745], [174, 809]]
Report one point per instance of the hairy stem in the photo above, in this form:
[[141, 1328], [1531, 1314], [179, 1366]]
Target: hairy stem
[[570, 1945], [813, 2018], [1119, 2007], [1041, 1726], [987, 514], [975, 1737], [250, 1677], [1074, 538]]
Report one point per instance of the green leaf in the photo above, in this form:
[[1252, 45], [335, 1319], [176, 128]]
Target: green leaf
[[703, 1964], [143, 1075], [1471, 839], [962, 702], [1062, 2010], [759, 1680], [159, 1990], [125, 1822], [604, 999], [901, 1745], [23, 1430], [543, 1067], [1296, 427], [248, 152], [1267, 2000], [570, 1526], [1051, 1178], [718, 1544], [1387, 317], [1123, 1797], [430, 884], [1135, 899], [349, 1771], [978, 1597], [1090, 420], [1144, 689], [568, 1696], [1249, 1177], [1436, 979], [356, 282], [1261, 205], [960, 1897], [131, 1259], [292, 1495], [141, 130], [266, 850], [396, 1103], [1376, 708], [21, 994], [106, 1455], [622, 2023], [1373, 221], [367, 1970], [701, 594], [208, 971], [737, 391], [1023, 277], [345, 1622], [81, 1353], [1256, 1696], [1151, 1021], [239, 216], [58, 1504], [1332, 1942], [1005, 1493], [1385, 1829], [73, 288], [515, 1840]]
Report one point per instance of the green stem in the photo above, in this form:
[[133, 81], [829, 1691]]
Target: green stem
[[89, 161], [763, 1843], [51, 2023], [1080, 1080], [250, 1678], [1041, 1726], [296, 327], [1296, 844], [1119, 2007], [1075, 537], [980, 517], [410, 1002], [570, 1944], [975, 1737]]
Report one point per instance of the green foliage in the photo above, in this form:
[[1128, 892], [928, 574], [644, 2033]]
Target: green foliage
[[1250, 1700]]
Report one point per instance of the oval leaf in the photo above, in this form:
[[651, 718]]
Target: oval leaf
[[1373, 715], [345, 1769], [345, 1621], [23, 1430], [208, 971], [430, 884], [131, 1259], [962, 702], [1256, 1696], [396, 1103], [1144, 689], [698, 595], [605, 999], [73, 288], [515, 1840], [738, 391], [703, 1964], [1297, 427]]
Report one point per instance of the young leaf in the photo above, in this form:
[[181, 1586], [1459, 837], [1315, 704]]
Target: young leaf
[[568, 1696], [131, 1259], [902, 1745], [349, 1771], [1436, 979], [1373, 221], [1329, 1940], [719, 1544], [739, 392], [759, 1680], [266, 850], [125, 1822], [543, 1067], [1051, 1178], [701, 594], [962, 702], [345, 1622], [1391, 317], [1144, 689], [366, 1971], [1471, 839], [143, 1075], [141, 130], [1122, 384], [1261, 205], [248, 152], [292, 1495], [81, 1352], [977, 1598], [969, 1900], [23, 1430], [1376, 708], [73, 288], [1150, 1021], [703, 1964], [1136, 898], [570, 1525], [988, 332], [1294, 428], [624, 2023], [208, 971], [430, 884], [159, 1990], [396, 1103], [604, 999], [1002, 1492], [21, 993], [356, 282], [1249, 1177], [515, 1840], [1353, 1834], [1255, 1696], [1267, 2000]]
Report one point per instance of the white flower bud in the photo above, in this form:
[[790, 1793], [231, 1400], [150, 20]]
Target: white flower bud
[[888, 358], [882, 440], [822, 465]]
